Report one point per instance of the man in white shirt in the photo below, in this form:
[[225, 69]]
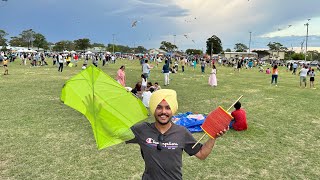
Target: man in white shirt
[[303, 76]]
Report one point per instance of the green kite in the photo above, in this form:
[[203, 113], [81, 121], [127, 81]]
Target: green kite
[[109, 107]]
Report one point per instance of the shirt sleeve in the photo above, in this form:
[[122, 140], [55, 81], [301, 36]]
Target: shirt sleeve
[[135, 139], [189, 142]]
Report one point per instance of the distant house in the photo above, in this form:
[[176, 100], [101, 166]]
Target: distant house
[[229, 55], [157, 51], [266, 54]]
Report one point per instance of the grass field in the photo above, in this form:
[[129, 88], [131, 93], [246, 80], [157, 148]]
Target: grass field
[[41, 138]]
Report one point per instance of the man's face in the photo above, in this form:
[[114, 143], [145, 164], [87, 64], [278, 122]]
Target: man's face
[[163, 113]]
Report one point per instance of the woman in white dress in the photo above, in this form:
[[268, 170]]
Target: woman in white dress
[[213, 78]]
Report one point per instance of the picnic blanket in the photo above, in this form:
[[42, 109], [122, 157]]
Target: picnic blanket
[[189, 120]]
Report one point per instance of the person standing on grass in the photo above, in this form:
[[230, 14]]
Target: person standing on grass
[[60, 61], [183, 63], [5, 66], [213, 78], [144, 82], [294, 66], [274, 76], [303, 76], [203, 65], [146, 69], [121, 76], [239, 122], [312, 74], [163, 142], [165, 71]]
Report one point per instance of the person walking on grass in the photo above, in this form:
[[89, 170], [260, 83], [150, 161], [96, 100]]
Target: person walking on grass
[[303, 76], [274, 76], [163, 142]]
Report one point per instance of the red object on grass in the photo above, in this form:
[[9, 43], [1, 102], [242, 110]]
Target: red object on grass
[[216, 121]]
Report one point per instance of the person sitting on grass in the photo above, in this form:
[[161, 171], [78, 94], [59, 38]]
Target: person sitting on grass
[[157, 86], [268, 71], [239, 122], [146, 97], [84, 66]]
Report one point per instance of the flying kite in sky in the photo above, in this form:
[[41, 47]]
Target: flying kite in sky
[[109, 107], [185, 35], [134, 23]]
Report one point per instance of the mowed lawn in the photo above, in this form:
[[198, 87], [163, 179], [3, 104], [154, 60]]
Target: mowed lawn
[[41, 138]]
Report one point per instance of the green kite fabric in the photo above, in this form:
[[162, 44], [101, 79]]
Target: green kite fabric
[[109, 107]]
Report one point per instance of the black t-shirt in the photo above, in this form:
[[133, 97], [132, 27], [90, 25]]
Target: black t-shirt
[[165, 163]]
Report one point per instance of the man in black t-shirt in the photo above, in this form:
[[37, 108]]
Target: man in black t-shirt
[[163, 142]]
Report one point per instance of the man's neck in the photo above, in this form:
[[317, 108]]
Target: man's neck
[[163, 128]]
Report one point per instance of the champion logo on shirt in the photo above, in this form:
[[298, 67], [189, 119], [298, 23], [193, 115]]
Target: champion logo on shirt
[[169, 145]]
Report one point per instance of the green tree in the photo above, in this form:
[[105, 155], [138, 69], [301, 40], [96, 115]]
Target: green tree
[[214, 45], [17, 41], [167, 46], [239, 47], [297, 56], [63, 45], [98, 45], [228, 50], [82, 44], [276, 46], [113, 48], [28, 37], [141, 49], [314, 55], [194, 52], [3, 40], [40, 41]]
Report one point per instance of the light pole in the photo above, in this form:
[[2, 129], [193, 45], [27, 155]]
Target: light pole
[[307, 24], [250, 41], [113, 43], [174, 40]]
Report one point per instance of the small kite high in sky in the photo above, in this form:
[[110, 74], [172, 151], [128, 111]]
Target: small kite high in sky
[[109, 107], [134, 23]]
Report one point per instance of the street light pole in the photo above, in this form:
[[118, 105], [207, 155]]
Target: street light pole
[[174, 39], [305, 56], [250, 41], [113, 43]]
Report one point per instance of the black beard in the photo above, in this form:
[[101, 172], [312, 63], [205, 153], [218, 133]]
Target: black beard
[[163, 123]]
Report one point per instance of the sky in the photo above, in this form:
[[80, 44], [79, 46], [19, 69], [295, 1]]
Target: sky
[[185, 23]]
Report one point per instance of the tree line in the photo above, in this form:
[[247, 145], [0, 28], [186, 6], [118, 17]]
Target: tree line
[[30, 38]]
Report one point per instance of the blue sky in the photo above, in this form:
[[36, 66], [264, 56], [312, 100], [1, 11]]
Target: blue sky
[[191, 21]]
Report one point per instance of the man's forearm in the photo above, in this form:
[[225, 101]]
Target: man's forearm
[[206, 149]]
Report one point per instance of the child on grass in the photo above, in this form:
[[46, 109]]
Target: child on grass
[[239, 122]]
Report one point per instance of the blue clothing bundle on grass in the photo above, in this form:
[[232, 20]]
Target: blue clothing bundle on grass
[[189, 120]]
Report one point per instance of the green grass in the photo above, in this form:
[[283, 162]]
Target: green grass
[[41, 138]]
